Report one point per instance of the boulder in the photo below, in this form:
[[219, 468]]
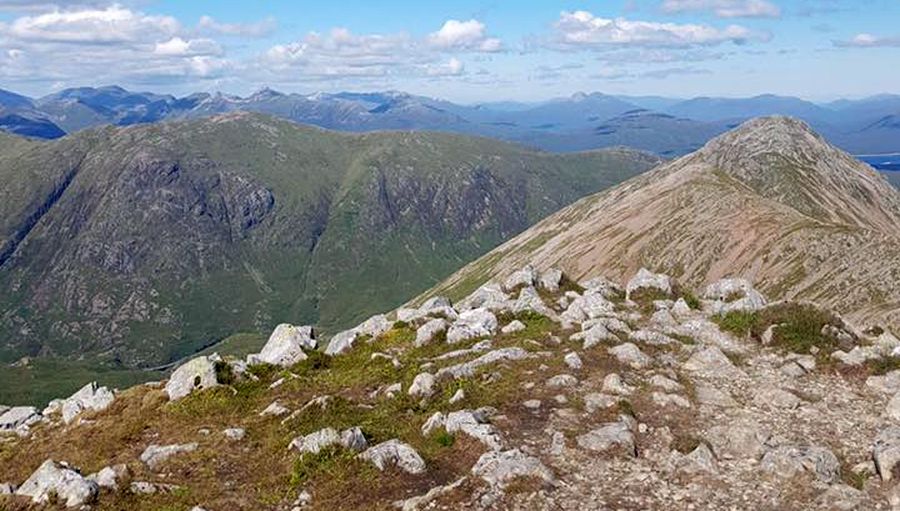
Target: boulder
[[789, 461], [474, 424], [591, 305], [664, 399], [472, 324], [645, 279], [109, 477], [602, 286], [710, 361], [551, 280], [313, 443], [886, 451], [886, 384], [18, 417], [89, 397], [69, 487], [667, 384], [770, 396], [197, 374], [341, 342], [529, 300], [275, 409], [7, 489], [354, 439], [699, 461], [394, 452], [513, 327], [426, 333], [613, 384], [499, 468], [155, 455], [617, 437], [527, 276], [489, 296], [652, 337], [573, 360], [712, 396], [630, 355], [234, 433], [422, 385], [467, 369], [740, 439], [595, 401], [732, 295], [561, 381], [286, 345]]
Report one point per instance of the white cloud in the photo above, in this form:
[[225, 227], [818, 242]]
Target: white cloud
[[191, 47], [869, 41], [113, 24], [725, 8], [453, 67], [583, 29], [209, 25], [464, 35]]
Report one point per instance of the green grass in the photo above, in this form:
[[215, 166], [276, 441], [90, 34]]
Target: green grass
[[798, 327]]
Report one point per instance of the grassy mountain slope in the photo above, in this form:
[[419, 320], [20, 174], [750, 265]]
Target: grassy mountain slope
[[142, 244], [771, 201]]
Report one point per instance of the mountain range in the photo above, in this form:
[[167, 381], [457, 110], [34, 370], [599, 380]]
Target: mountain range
[[142, 244], [666, 126], [771, 201]]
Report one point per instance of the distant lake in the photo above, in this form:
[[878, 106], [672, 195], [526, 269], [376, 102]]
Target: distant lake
[[882, 161]]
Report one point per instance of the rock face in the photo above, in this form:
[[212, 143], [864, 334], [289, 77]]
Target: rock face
[[214, 219], [66, 484], [286, 344], [198, 374], [90, 397]]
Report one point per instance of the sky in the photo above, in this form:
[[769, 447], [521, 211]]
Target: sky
[[468, 51]]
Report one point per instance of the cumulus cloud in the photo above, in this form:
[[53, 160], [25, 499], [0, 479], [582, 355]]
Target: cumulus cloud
[[869, 41], [106, 44], [725, 8], [342, 53], [453, 67], [464, 35], [581, 29]]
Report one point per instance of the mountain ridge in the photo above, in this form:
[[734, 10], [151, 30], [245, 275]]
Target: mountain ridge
[[696, 221]]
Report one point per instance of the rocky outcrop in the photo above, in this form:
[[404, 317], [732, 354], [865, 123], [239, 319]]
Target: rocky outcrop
[[197, 374], [56, 480], [89, 397], [286, 345]]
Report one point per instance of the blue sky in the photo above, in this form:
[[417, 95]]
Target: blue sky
[[468, 51]]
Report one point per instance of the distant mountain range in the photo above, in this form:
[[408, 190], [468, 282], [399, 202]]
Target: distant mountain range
[[667, 126]]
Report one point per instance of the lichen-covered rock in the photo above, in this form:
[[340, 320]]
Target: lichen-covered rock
[[789, 461], [155, 455], [472, 324], [341, 342], [19, 417], [467, 369], [527, 276], [615, 437], [109, 477], [630, 355], [52, 479], [732, 295], [427, 333], [89, 397], [551, 279], [886, 451], [197, 374], [394, 452], [645, 279], [499, 468], [422, 385], [286, 345]]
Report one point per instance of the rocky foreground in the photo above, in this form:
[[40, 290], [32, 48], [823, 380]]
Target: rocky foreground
[[540, 393]]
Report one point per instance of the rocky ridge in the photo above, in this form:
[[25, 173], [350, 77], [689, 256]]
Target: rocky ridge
[[770, 201], [603, 396]]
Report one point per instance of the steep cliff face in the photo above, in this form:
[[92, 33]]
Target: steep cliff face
[[146, 243], [770, 201]]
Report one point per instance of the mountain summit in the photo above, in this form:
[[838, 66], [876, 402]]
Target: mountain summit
[[770, 201]]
